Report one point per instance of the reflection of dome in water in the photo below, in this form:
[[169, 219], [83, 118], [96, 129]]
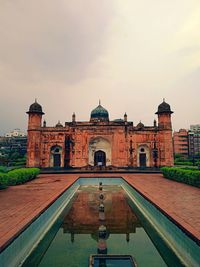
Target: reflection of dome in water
[[99, 114]]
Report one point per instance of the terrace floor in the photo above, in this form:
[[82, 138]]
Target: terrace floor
[[19, 205]]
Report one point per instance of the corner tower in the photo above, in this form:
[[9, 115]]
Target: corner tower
[[164, 116], [165, 149], [34, 129]]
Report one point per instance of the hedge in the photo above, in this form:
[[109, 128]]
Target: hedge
[[188, 163], [3, 180], [187, 176], [18, 176]]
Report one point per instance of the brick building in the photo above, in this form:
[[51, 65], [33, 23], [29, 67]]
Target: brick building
[[180, 141], [194, 140], [99, 141]]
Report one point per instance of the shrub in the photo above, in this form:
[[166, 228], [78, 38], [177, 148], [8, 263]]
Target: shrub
[[20, 176], [186, 163], [3, 169], [3, 180], [19, 163], [187, 176]]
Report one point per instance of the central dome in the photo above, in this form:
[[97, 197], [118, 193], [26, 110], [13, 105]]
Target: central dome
[[99, 114]]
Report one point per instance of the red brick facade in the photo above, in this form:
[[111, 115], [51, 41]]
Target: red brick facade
[[99, 142]]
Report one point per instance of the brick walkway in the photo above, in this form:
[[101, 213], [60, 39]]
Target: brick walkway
[[21, 204]]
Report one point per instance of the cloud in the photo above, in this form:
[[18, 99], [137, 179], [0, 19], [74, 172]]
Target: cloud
[[68, 54], [46, 39]]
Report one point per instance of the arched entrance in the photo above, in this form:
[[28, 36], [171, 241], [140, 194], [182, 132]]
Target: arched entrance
[[143, 160], [56, 153], [99, 158], [143, 156], [99, 150]]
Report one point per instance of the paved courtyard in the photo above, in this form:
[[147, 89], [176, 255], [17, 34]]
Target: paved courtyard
[[21, 204]]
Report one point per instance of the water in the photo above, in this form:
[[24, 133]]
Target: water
[[75, 236]]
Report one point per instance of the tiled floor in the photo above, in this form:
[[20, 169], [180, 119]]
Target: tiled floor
[[21, 204]]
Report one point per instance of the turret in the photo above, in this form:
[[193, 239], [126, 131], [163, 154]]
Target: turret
[[73, 117], [164, 156], [125, 117], [34, 135], [164, 116], [35, 116]]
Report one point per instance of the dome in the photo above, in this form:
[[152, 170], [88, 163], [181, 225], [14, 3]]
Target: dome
[[99, 114], [140, 125], [164, 108], [35, 108], [58, 125], [118, 120]]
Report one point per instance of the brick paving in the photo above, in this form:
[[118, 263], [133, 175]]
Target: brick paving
[[21, 204]]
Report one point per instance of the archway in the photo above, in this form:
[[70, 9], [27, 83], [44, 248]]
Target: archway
[[143, 156], [99, 158], [103, 147], [143, 160], [56, 153]]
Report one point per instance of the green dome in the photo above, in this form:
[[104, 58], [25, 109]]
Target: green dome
[[99, 114]]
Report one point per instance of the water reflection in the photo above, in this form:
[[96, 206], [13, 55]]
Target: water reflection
[[85, 218]]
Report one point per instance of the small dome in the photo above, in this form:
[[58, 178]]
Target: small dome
[[99, 114], [140, 125], [164, 108], [118, 120], [59, 125], [35, 108]]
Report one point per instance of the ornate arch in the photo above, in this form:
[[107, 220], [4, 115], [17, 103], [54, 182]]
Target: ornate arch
[[56, 156], [99, 144], [143, 156]]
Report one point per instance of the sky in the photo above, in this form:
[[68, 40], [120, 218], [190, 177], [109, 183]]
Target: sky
[[69, 54]]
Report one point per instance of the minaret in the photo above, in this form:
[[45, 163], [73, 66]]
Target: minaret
[[125, 117], [164, 131], [34, 125], [164, 116], [73, 117], [35, 116]]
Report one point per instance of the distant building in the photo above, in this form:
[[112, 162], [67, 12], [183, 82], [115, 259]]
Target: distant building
[[9, 145], [194, 140], [180, 141], [15, 133], [195, 128]]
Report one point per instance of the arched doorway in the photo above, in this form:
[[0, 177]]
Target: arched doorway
[[56, 153], [143, 160], [143, 156], [99, 158], [99, 150]]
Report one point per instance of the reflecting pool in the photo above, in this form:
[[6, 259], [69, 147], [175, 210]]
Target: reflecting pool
[[87, 228]]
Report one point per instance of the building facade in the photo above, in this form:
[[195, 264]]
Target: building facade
[[194, 140], [15, 133], [99, 142], [180, 141]]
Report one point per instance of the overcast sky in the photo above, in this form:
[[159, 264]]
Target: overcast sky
[[69, 54]]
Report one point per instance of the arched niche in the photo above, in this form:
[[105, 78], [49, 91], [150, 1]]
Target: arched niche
[[56, 156], [100, 145], [143, 156]]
